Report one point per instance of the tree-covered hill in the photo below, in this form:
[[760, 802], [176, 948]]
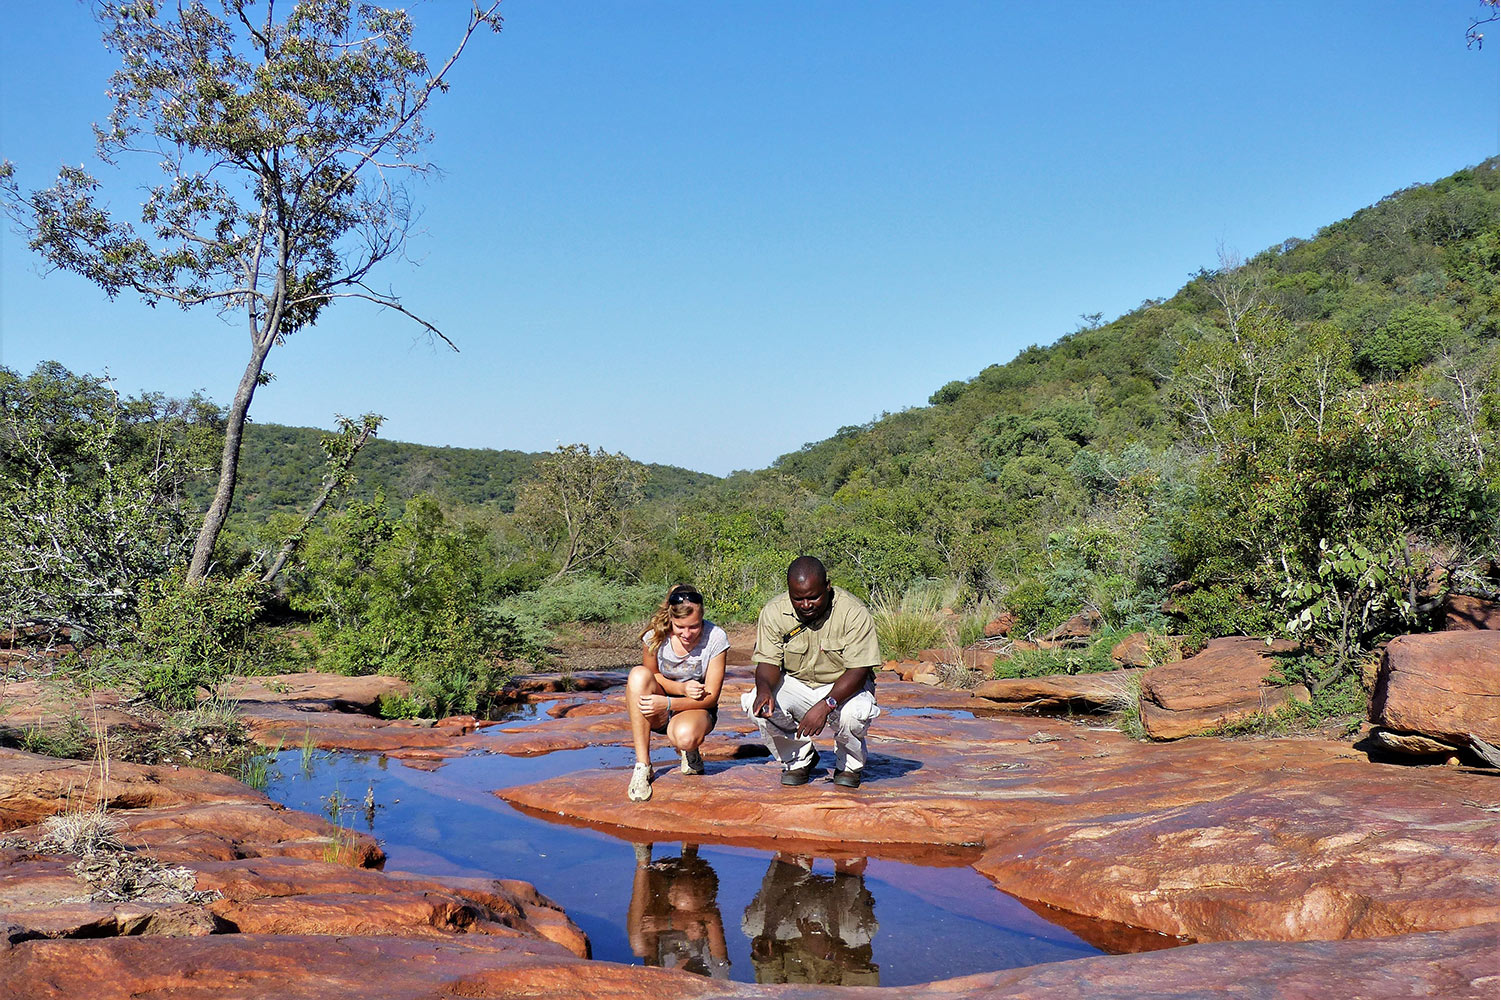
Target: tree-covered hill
[[280, 469], [1300, 444], [1403, 281]]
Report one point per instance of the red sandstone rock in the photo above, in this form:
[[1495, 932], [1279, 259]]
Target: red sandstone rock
[[1464, 612], [317, 692], [27, 705], [1207, 839], [1000, 625], [1227, 682], [1137, 650], [1458, 965], [1442, 685], [1060, 692], [1166, 724], [1080, 626]]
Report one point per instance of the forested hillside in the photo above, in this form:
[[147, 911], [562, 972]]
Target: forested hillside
[[280, 468], [1302, 444]]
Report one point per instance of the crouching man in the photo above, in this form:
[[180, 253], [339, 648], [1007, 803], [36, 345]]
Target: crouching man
[[815, 655]]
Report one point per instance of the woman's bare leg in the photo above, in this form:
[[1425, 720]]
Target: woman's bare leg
[[687, 730], [640, 682]]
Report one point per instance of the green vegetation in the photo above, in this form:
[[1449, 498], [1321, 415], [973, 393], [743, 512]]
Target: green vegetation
[[1302, 444]]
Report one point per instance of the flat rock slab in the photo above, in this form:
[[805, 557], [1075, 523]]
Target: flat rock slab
[[1443, 685], [1061, 692], [275, 870], [1206, 839], [1225, 683], [1458, 965]]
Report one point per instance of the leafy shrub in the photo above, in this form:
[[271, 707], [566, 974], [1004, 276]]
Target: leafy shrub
[[191, 636], [584, 599], [1037, 608], [405, 598], [1223, 609], [92, 497], [1091, 659], [398, 706]]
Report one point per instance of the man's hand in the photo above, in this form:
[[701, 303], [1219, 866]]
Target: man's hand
[[767, 677], [814, 720], [761, 708]]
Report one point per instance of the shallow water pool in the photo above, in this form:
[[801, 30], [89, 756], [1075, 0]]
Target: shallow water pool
[[727, 912]]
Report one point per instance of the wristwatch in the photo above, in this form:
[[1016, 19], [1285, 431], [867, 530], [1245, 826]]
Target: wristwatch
[[833, 705]]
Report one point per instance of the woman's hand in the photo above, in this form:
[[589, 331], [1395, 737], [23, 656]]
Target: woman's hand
[[651, 704], [694, 690]]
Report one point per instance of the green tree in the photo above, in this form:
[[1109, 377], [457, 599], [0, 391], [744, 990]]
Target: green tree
[[93, 497], [579, 502], [404, 597], [284, 134]]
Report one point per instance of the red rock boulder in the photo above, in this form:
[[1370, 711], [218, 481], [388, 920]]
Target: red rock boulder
[[1000, 625], [1144, 649], [1226, 683], [1443, 685], [1061, 692], [1462, 611]]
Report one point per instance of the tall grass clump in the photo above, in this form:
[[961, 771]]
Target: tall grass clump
[[907, 625]]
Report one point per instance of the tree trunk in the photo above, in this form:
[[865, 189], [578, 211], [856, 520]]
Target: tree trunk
[[224, 495]]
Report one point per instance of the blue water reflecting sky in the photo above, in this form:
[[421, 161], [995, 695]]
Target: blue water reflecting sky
[[779, 916]]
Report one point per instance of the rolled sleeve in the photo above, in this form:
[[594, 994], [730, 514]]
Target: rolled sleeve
[[861, 649]]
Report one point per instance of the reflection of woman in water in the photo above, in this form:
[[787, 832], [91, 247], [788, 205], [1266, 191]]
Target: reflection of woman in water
[[810, 928], [674, 917]]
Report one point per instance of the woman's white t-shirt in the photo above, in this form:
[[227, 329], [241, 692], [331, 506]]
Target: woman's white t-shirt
[[711, 642]]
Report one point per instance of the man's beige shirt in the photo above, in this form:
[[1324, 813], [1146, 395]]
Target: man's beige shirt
[[844, 639]]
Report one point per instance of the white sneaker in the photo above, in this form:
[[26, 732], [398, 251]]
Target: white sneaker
[[692, 762], [639, 790]]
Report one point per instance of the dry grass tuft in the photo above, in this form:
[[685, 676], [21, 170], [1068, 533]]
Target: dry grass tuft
[[82, 833]]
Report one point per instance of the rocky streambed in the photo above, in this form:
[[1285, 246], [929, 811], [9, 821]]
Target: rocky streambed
[[1293, 867]]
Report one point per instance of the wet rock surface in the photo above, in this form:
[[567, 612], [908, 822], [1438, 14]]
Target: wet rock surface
[[1302, 867], [1458, 965]]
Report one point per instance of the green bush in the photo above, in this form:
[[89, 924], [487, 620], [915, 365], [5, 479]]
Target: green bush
[[1037, 608], [405, 598], [1091, 659], [1223, 609], [191, 636]]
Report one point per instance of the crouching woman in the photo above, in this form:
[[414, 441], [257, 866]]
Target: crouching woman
[[675, 691]]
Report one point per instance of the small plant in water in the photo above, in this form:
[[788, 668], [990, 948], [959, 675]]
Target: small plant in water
[[255, 768], [308, 746], [335, 805]]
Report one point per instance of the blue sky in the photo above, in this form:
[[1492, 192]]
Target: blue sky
[[707, 233]]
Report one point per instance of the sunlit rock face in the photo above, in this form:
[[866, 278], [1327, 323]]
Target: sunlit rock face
[[1443, 685], [1303, 868], [1278, 839], [1225, 683]]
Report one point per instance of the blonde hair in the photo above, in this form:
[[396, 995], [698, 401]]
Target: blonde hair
[[660, 625]]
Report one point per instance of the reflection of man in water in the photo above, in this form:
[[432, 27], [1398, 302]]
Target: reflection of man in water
[[674, 917], [810, 928]]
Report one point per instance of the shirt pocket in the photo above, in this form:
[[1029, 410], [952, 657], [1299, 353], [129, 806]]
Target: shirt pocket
[[795, 652]]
